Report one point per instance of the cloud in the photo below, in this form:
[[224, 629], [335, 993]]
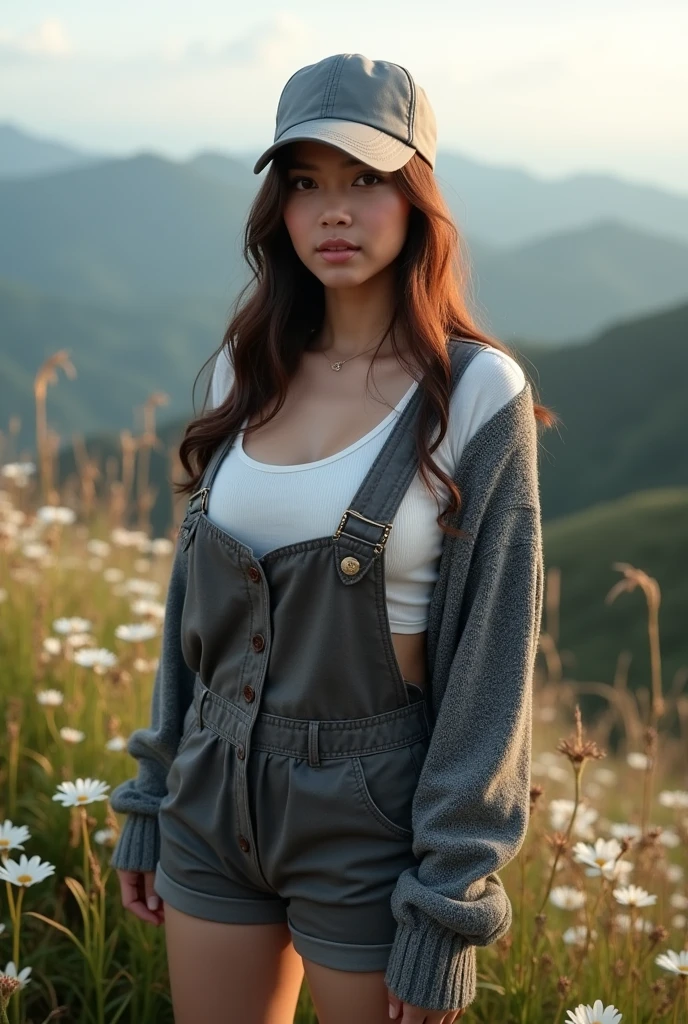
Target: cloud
[[48, 40], [271, 45]]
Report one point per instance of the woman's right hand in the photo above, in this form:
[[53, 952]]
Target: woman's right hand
[[139, 896]]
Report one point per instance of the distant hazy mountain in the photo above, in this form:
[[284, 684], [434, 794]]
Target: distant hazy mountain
[[23, 154], [622, 400], [141, 228]]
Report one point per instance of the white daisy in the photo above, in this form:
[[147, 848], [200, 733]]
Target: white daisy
[[674, 873], [598, 857], [676, 798], [677, 963], [624, 830], [595, 1014], [623, 923], [50, 698], [83, 791], [560, 812], [18, 470], [72, 735], [678, 901], [144, 588], [113, 575], [605, 776], [75, 640], [576, 935], [56, 514], [35, 549], [567, 898], [51, 645], [146, 606], [669, 838], [116, 743], [71, 625], [617, 871], [136, 631], [679, 922], [91, 657], [99, 548], [637, 760], [22, 977], [105, 836], [161, 546], [12, 836], [634, 896], [146, 664], [27, 871], [123, 538]]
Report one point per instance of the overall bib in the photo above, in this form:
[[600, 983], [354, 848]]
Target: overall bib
[[289, 798]]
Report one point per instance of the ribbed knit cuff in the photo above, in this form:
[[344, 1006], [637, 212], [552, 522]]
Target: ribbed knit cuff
[[431, 967], [138, 846]]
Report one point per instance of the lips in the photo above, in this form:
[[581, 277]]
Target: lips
[[336, 245]]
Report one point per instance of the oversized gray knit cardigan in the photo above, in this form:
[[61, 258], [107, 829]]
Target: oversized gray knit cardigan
[[470, 808]]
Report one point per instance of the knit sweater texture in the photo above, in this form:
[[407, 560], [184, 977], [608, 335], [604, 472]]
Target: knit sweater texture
[[470, 809]]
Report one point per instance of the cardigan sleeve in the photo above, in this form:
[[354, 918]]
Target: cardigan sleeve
[[155, 746], [470, 808]]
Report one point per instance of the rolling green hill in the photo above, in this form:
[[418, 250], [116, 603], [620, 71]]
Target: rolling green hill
[[649, 530]]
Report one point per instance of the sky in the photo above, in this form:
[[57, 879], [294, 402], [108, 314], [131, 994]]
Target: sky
[[550, 87]]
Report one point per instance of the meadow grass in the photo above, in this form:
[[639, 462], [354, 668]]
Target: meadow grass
[[599, 888]]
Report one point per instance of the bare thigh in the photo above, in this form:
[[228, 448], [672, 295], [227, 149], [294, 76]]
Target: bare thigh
[[231, 973], [340, 997]]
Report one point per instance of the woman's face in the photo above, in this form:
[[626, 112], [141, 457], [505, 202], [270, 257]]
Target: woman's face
[[332, 195]]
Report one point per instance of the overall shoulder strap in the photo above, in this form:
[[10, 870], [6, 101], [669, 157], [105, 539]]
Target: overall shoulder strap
[[371, 513]]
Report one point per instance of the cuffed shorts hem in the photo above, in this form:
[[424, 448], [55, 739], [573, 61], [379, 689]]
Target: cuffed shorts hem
[[224, 909], [342, 956]]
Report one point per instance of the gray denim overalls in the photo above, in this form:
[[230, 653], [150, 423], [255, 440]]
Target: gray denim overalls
[[289, 799]]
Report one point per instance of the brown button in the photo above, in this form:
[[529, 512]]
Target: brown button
[[249, 693], [258, 642], [244, 844], [253, 574], [350, 565], [241, 753]]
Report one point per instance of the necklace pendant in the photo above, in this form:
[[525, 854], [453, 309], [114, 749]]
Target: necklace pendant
[[336, 366]]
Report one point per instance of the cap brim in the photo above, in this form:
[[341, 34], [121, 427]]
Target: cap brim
[[377, 149]]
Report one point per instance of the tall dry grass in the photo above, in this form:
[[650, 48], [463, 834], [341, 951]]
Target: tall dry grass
[[599, 888]]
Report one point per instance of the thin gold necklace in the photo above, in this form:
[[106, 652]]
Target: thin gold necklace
[[340, 362]]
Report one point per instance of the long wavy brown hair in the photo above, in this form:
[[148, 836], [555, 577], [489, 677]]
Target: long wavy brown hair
[[279, 309]]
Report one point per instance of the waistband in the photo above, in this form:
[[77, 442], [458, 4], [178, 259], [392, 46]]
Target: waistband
[[313, 739]]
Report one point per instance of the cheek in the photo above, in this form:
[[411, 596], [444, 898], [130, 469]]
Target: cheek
[[387, 223], [296, 223]]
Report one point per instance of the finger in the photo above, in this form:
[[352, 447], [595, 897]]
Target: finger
[[153, 901], [131, 887]]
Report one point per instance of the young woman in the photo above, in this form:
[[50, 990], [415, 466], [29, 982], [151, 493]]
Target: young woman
[[338, 759]]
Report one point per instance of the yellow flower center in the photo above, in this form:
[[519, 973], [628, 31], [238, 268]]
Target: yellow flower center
[[600, 861], [683, 969], [25, 879], [82, 798], [4, 842]]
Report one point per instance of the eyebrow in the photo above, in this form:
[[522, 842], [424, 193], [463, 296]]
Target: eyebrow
[[300, 166]]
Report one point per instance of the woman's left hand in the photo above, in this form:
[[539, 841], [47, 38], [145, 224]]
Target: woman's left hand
[[404, 1013]]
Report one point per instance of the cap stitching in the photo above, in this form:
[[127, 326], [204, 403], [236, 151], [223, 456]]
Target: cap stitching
[[328, 85], [412, 103], [335, 83]]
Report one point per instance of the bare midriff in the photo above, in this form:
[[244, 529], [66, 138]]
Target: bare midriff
[[410, 651], [326, 411]]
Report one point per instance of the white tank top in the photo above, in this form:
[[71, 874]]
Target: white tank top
[[267, 506]]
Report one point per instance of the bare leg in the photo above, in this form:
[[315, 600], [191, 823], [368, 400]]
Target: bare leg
[[341, 997], [231, 973]]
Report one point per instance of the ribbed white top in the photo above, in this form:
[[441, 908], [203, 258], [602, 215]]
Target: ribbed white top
[[268, 506]]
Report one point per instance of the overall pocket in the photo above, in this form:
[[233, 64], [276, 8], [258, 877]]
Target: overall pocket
[[386, 783]]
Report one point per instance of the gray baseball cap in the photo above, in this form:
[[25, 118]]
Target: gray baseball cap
[[371, 109]]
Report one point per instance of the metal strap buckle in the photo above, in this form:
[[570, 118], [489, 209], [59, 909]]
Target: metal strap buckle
[[204, 491], [385, 527]]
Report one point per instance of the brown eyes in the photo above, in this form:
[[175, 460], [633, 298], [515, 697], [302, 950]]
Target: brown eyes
[[294, 181]]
